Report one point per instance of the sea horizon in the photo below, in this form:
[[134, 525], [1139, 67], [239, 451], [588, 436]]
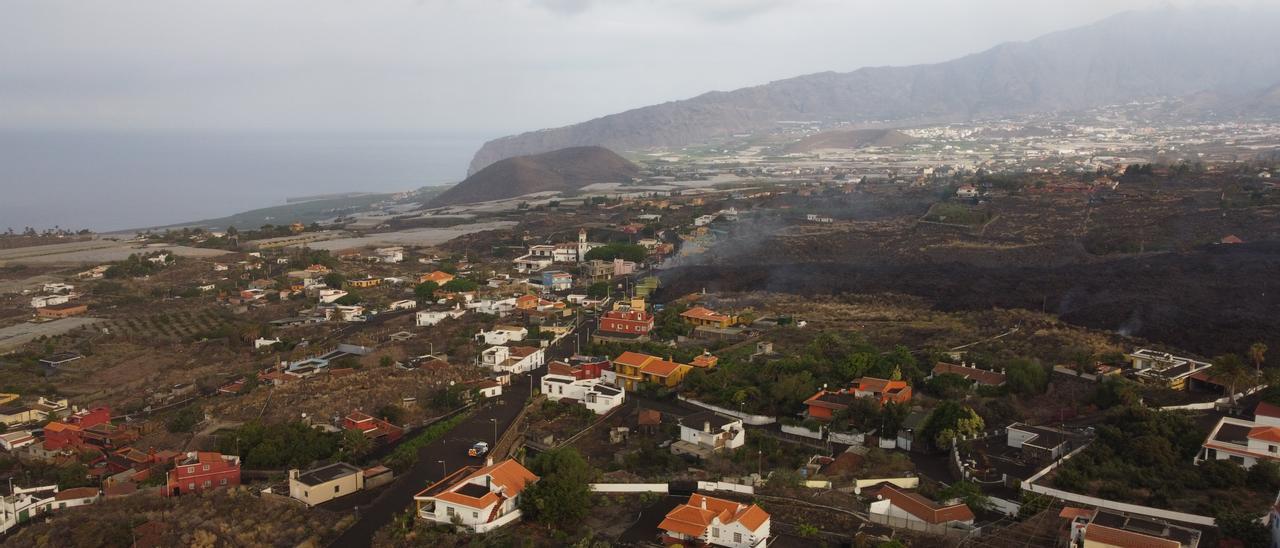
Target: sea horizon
[[109, 181]]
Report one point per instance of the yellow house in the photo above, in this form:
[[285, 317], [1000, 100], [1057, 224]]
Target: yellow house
[[634, 368], [699, 315], [365, 282]]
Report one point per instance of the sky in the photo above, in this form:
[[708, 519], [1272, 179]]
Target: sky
[[486, 67]]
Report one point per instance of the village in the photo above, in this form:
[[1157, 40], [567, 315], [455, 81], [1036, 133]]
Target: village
[[545, 372]]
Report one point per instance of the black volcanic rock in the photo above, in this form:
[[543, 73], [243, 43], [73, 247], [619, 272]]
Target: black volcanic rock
[[559, 170]]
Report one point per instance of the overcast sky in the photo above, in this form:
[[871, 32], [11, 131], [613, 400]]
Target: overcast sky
[[487, 66]]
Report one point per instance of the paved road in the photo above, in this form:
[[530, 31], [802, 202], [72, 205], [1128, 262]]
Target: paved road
[[449, 453]]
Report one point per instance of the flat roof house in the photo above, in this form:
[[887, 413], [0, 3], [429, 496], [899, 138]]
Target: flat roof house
[[709, 432], [65, 310], [711, 521], [1163, 368], [480, 499], [1107, 528], [325, 483]]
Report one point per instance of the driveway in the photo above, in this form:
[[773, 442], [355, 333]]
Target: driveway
[[447, 454]]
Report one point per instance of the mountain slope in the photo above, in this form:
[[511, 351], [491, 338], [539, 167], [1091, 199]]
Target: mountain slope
[[850, 139], [1134, 55], [559, 170]]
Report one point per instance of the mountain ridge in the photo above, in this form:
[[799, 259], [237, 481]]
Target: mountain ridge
[[559, 170], [1129, 56]]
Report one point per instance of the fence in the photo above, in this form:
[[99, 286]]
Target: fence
[[753, 420], [1118, 506], [725, 486], [920, 526], [629, 487], [802, 431]]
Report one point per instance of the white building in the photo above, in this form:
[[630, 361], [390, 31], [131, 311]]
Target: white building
[[717, 522], [1242, 441], [480, 499], [24, 504], [704, 220], [331, 295], [58, 288], [390, 254], [564, 381], [428, 318], [712, 431], [503, 334], [500, 307], [513, 359], [49, 300], [16, 439], [406, 304]]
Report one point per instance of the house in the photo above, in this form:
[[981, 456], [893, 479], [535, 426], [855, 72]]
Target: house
[[440, 277], [513, 359], [480, 499], [1107, 528], [503, 334], [1163, 368], [365, 282], [405, 304], [884, 390], [1243, 441], [325, 483], [707, 431], [894, 505], [825, 404], [60, 359], [702, 316], [65, 310], [705, 360], [49, 300], [198, 471], [76, 496], [630, 369], [390, 255], [625, 324], [373, 428], [712, 521], [583, 385], [16, 439], [1039, 444], [979, 377], [20, 414], [555, 280], [428, 318], [487, 388], [967, 191], [331, 295], [1230, 239], [597, 270]]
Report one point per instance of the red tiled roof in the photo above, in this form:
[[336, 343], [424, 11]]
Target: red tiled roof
[[703, 313], [1265, 409], [508, 474], [76, 493], [693, 517], [1073, 513]]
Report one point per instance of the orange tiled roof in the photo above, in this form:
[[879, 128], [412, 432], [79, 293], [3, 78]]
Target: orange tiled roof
[[693, 517], [508, 475], [57, 426], [660, 367], [1118, 537], [1265, 409], [1265, 433], [703, 313], [633, 359], [923, 508]]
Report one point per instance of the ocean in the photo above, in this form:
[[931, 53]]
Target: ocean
[[108, 181]]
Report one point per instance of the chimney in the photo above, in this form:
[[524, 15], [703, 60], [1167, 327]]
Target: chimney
[[488, 461], [706, 426], [704, 503]]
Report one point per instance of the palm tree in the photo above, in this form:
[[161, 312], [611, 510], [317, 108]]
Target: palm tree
[[1258, 353], [1230, 369]]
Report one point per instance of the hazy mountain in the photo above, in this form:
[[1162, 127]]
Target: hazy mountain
[[1172, 52], [560, 170]]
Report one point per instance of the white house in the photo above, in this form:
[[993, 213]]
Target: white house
[[263, 341], [513, 359], [703, 220], [1242, 441], [428, 318], [49, 300], [500, 307], [58, 288], [331, 295], [350, 313], [16, 439], [406, 304], [967, 191], [480, 499], [712, 431], [23, 504], [503, 334], [565, 381], [718, 522], [893, 503], [390, 254]]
